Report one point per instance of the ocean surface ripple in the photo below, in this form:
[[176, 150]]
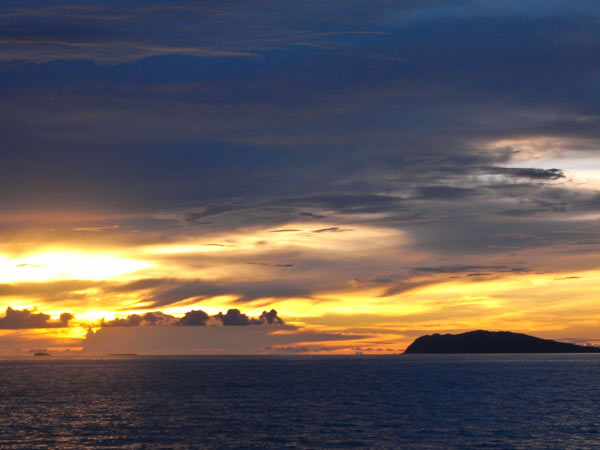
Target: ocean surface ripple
[[387, 402]]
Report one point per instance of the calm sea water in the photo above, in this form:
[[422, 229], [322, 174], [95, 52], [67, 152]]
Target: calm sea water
[[420, 402]]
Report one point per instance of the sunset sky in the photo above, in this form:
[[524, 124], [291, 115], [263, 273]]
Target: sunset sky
[[371, 170]]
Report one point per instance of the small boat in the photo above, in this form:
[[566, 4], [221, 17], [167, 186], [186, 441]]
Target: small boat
[[41, 354]]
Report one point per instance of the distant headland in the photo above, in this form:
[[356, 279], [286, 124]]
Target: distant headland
[[482, 341]]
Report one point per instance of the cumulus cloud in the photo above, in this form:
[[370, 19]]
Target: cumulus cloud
[[193, 318], [271, 317], [155, 318], [233, 317], [23, 319], [65, 318]]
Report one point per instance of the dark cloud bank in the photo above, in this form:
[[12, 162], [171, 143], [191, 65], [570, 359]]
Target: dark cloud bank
[[286, 107]]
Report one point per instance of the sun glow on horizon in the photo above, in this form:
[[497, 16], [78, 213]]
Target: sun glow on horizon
[[135, 279], [66, 265]]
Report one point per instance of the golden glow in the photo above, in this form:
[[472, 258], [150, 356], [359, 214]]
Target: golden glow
[[66, 265], [183, 248], [322, 236], [555, 302]]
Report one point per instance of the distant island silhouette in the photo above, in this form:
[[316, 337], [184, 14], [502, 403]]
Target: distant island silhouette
[[482, 341]]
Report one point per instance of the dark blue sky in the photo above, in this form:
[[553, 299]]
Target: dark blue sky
[[169, 105]]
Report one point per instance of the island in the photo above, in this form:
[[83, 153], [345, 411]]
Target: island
[[482, 341]]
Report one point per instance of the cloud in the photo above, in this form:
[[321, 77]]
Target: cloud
[[523, 172], [97, 229], [163, 292], [137, 285], [444, 193], [65, 318], [271, 265], [332, 230], [25, 319], [468, 268], [271, 317], [107, 52], [193, 318], [48, 290], [155, 318], [118, 34], [233, 317]]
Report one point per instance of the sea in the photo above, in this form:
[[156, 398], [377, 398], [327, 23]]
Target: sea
[[548, 401]]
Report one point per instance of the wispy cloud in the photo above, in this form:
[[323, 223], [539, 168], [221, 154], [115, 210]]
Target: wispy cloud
[[41, 51]]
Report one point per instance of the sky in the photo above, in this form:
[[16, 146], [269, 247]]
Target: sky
[[363, 172]]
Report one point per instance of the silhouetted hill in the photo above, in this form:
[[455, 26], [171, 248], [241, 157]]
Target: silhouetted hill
[[492, 342]]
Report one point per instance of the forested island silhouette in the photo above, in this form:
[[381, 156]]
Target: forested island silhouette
[[482, 341]]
